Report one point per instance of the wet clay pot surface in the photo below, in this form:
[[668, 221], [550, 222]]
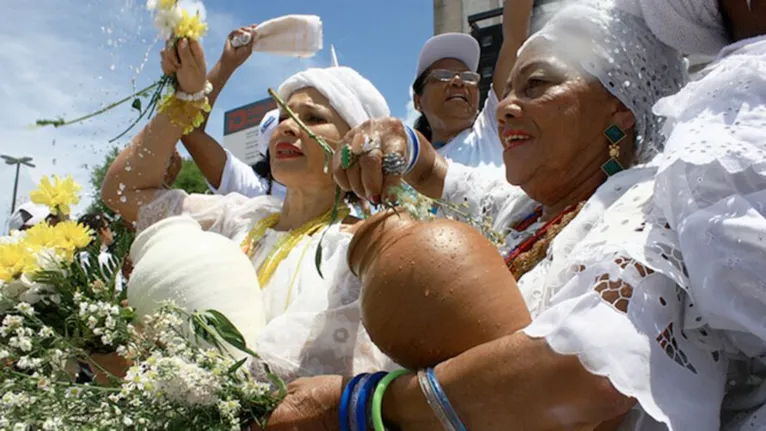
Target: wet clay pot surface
[[433, 289]]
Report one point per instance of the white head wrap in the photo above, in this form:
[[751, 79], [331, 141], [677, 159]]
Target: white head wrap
[[354, 97], [690, 26], [269, 122], [28, 215], [616, 47]]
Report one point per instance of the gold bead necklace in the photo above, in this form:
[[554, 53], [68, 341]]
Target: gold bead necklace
[[286, 243]]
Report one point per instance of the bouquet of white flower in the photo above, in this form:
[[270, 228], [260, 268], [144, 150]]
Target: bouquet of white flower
[[73, 354]]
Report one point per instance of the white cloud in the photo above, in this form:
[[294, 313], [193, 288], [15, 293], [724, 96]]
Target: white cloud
[[69, 57]]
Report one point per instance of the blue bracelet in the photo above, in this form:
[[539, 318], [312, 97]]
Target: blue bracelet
[[353, 420], [442, 398], [364, 398], [413, 147], [345, 400]]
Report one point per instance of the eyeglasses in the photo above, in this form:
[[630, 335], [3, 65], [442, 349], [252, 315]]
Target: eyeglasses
[[444, 75]]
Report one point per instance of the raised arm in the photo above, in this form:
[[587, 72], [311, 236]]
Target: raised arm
[[516, 16], [139, 170], [206, 152]]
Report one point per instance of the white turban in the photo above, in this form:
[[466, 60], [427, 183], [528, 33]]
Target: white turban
[[349, 93], [690, 26], [615, 46]]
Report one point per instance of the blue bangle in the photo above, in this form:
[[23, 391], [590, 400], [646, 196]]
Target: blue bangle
[[353, 419], [345, 400], [442, 398], [364, 397], [413, 144]]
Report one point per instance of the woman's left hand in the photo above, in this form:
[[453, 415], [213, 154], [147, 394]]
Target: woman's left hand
[[311, 404]]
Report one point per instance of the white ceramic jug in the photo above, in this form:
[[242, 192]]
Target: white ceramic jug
[[176, 260]]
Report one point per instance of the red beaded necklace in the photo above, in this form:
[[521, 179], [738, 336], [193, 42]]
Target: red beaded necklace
[[531, 241]]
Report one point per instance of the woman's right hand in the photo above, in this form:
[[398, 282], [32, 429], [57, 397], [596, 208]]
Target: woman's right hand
[[233, 57], [187, 61], [366, 176]]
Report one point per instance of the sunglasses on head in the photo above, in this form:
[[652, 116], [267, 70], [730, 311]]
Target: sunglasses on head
[[444, 75]]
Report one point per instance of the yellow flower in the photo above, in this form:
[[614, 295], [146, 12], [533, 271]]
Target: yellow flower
[[57, 196], [190, 26], [41, 236], [71, 236], [63, 239], [166, 4], [15, 259]]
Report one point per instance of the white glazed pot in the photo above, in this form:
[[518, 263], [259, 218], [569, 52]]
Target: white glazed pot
[[176, 260]]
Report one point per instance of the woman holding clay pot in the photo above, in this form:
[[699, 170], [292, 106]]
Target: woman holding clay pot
[[612, 343]]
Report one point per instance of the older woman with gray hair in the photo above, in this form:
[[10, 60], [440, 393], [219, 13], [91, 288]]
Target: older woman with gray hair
[[604, 349]]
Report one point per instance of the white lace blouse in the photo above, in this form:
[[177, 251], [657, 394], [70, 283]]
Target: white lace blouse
[[615, 291], [313, 323]]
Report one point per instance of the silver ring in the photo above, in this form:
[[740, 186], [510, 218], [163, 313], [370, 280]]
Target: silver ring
[[370, 144], [394, 164]]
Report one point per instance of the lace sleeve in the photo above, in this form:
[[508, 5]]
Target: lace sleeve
[[619, 301], [711, 187], [485, 193], [227, 215]]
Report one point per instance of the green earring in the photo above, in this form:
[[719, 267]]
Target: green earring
[[615, 135]]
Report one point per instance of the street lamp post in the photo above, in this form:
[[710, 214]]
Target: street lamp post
[[26, 161]]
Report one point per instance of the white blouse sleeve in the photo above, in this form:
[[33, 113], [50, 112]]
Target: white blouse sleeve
[[711, 187], [485, 193], [619, 303], [239, 177], [227, 215]]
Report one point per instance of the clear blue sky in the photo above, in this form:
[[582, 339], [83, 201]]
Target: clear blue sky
[[68, 58], [380, 39]]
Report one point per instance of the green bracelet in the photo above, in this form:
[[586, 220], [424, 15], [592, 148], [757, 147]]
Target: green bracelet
[[377, 398]]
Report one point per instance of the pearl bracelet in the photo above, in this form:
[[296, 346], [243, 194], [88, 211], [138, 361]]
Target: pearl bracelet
[[196, 97]]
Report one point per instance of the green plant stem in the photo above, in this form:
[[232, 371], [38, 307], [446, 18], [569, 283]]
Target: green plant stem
[[80, 352], [62, 123], [282, 105]]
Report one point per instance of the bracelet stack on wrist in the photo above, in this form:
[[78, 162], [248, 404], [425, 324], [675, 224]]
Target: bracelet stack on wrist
[[185, 109], [361, 402]]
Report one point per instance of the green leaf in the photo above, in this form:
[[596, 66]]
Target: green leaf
[[237, 366], [227, 331], [318, 257], [136, 104]]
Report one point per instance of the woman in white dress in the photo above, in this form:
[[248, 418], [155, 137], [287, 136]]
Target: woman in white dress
[[312, 322]]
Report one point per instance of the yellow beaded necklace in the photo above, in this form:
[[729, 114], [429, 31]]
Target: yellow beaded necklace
[[284, 245]]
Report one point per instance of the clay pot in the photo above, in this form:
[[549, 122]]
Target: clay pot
[[432, 290], [115, 364], [175, 260]]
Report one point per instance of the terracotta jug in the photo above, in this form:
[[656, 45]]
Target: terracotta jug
[[432, 289]]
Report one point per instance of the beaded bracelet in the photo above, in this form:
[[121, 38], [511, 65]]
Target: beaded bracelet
[[363, 395], [377, 398], [195, 97], [345, 400], [444, 401], [186, 114]]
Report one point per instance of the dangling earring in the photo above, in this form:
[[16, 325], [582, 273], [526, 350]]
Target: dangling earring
[[615, 135]]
